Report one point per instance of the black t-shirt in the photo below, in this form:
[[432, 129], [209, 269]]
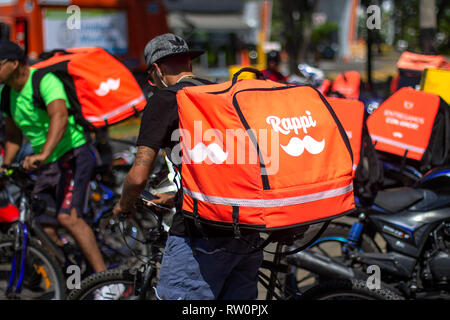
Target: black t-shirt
[[159, 121]]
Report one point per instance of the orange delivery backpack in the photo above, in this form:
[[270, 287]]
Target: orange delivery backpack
[[347, 85], [412, 127], [411, 66], [324, 87], [367, 169], [100, 89], [261, 155]]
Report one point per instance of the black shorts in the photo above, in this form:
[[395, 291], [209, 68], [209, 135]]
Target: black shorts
[[64, 184]]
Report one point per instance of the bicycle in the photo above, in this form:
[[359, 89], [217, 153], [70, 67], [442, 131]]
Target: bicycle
[[138, 283], [27, 269], [26, 242]]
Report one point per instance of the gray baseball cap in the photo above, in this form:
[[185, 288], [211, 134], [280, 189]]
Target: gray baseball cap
[[167, 45]]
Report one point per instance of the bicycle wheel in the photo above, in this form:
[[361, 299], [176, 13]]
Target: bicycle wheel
[[89, 288], [330, 244], [348, 290], [43, 278]]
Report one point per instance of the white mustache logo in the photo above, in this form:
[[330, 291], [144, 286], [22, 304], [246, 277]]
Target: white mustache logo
[[296, 146], [106, 86], [214, 152]]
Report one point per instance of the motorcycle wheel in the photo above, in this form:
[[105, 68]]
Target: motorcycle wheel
[[348, 290]]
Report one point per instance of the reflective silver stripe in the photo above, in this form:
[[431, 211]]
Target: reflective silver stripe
[[117, 111], [272, 202], [398, 144]]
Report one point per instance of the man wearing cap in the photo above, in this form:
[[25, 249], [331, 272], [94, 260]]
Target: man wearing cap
[[62, 158], [197, 264]]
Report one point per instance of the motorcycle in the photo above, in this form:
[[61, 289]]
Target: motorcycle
[[414, 223]]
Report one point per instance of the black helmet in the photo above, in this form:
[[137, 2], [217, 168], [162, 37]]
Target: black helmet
[[273, 56]]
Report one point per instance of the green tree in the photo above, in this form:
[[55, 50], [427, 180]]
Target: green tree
[[407, 22], [292, 26]]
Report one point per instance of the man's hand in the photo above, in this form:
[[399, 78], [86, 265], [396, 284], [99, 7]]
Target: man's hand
[[34, 161], [164, 199], [118, 210]]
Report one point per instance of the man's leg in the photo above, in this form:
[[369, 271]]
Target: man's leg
[[74, 204], [51, 232], [242, 283], [242, 280], [182, 275], [215, 272], [84, 236]]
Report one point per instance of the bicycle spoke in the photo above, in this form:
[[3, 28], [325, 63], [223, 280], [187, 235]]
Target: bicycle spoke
[[323, 251]]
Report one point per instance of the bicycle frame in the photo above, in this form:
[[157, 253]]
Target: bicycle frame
[[20, 247], [270, 282]]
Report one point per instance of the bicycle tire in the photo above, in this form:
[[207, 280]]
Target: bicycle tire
[[100, 279], [348, 290], [54, 268]]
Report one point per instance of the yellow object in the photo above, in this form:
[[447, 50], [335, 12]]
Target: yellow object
[[244, 75], [262, 59], [437, 81], [96, 197], [40, 270]]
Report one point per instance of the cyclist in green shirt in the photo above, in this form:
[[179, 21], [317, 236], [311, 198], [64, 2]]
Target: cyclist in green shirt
[[62, 159]]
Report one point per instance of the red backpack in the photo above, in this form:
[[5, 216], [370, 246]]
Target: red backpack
[[347, 84], [100, 89], [367, 169], [257, 154], [411, 66], [412, 127]]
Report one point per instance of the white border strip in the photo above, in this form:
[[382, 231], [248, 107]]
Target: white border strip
[[398, 144], [115, 112], [262, 203]]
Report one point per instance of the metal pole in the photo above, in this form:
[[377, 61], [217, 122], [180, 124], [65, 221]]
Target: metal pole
[[369, 42]]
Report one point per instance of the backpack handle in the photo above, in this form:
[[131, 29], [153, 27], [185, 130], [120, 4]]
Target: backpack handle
[[259, 74]]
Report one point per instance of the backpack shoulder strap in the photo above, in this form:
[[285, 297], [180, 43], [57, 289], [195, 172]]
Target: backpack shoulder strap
[[437, 152], [60, 71], [191, 81], [36, 85], [5, 100], [369, 173]]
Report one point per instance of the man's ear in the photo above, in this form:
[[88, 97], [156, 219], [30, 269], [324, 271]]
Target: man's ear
[[16, 64], [158, 70]]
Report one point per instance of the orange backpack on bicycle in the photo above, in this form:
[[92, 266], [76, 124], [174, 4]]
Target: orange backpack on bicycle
[[348, 84], [100, 89], [261, 155]]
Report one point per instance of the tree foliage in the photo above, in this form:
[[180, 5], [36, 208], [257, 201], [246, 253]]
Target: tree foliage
[[292, 23]]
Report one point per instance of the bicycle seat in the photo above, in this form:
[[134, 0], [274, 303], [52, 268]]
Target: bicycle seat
[[397, 199]]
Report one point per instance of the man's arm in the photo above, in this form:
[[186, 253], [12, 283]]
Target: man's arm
[[13, 137], [136, 179], [57, 111]]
